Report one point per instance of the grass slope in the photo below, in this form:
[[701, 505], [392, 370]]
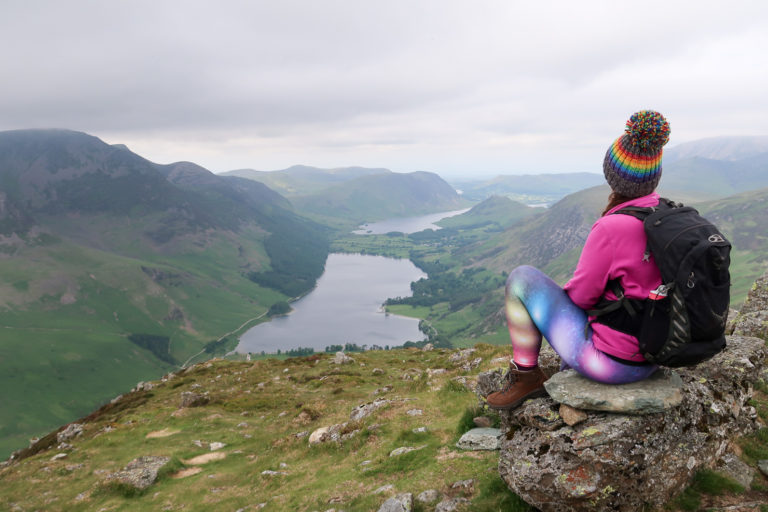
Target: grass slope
[[68, 309], [264, 411]]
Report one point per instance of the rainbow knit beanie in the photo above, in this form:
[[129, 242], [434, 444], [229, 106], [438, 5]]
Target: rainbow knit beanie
[[632, 164]]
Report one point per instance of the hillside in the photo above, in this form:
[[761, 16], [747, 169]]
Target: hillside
[[718, 148], [237, 438], [263, 412], [496, 212], [552, 240], [114, 269], [380, 196], [300, 180], [537, 189]]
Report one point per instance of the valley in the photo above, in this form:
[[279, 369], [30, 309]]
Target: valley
[[115, 270]]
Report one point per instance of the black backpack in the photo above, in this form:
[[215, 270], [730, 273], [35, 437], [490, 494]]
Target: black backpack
[[682, 322]]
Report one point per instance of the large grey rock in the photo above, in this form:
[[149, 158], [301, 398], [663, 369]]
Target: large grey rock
[[620, 462], [480, 439], [664, 389], [763, 466], [400, 503], [140, 473]]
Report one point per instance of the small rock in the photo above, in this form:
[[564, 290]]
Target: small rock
[[436, 371], [414, 412], [428, 496], [480, 439], [216, 446], [489, 382], [572, 416], [763, 465], [318, 435], [461, 355], [141, 472], [378, 371], [419, 430], [364, 410], [450, 504], [71, 431], [471, 365], [242, 425], [428, 347], [384, 488], [482, 422], [143, 386], [342, 358], [501, 361], [466, 485], [269, 472], [403, 449], [299, 435], [191, 399], [737, 470], [400, 503], [662, 390], [385, 389], [59, 456]]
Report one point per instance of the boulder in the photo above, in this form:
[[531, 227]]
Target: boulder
[[619, 461], [480, 439]]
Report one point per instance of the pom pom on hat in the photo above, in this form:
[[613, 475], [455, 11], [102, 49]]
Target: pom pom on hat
[[648, 130], [632, 165]]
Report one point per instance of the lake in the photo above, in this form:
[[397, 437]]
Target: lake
[[344, 307], [406, 224]]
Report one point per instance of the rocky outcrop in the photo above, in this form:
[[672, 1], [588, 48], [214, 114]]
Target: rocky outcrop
[[752, 320], [614, 461]]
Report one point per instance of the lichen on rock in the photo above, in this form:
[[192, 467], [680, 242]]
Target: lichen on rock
[[614, 461]]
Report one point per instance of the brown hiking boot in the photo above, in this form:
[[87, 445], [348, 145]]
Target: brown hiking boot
[[518, 386]]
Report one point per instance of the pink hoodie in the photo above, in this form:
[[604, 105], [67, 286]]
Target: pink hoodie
[[614, 250]]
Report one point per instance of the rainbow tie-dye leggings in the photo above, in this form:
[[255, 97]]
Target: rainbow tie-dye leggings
[[536, 306]]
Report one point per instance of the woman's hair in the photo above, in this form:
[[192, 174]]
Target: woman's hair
[[615, 199]]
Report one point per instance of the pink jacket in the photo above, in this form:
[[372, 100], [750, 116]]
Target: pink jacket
[[614, 250]]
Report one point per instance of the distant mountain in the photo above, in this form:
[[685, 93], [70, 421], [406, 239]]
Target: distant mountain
[[301, 180], [552, 240], [718, 148], [496, 212], [697, 178], [544, 240], [113, 269], [531, 189], [380, 196]]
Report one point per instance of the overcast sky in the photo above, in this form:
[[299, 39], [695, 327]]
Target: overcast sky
[[459, 88]]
